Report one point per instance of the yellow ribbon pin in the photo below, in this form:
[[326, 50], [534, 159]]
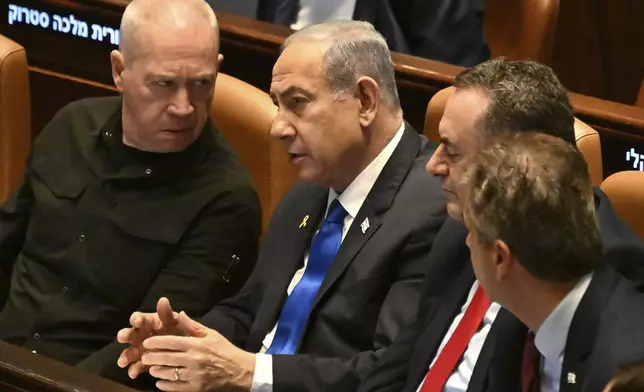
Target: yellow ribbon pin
[[303, 224]]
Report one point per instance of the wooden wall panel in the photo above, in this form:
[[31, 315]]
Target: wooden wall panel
[[598, 48]]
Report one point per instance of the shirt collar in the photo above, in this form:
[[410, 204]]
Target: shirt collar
[[551, 336], [131, 162], [356, 193]]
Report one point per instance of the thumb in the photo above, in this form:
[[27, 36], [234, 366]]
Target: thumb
[[191, 327]]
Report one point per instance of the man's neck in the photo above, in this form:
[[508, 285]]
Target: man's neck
[[383, 130], [536, 301]]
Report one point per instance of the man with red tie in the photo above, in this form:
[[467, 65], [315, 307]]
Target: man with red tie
[[451, 345], [536, 250]]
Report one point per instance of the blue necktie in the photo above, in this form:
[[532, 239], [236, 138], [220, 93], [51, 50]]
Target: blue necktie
[[298, 305]]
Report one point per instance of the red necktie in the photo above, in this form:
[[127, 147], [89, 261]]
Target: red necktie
[[531, 365], [448, 358]]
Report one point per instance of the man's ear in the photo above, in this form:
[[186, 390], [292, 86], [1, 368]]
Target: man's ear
[[118, 66], [503, 260], [368, 93], [220, 59]]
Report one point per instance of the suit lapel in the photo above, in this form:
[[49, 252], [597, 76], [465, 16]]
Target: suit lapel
[[438, 324], [314, 202], [583, 329], [499, 365], [378, 201]]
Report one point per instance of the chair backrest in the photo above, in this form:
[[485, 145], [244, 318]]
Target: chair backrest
[[243, 114], [625, 190], [15, 115], [587, 138], [520, 29], [640, 96]]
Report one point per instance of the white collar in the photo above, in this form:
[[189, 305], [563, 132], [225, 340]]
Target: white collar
[[551, 336], [356, 193]]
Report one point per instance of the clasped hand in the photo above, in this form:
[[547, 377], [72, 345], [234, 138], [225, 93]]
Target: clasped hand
[[182, 353]]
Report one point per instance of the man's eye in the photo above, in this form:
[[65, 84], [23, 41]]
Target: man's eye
[[202, 82], [163, 83], [299, 100]]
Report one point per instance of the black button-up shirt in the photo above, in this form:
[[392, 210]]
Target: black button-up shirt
[[99, 230]]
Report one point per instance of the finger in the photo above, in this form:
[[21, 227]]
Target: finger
[[129, 355], [136, 369], [127, 335], [169, 373], [133, 336], [167, 317], [145, 321], [166, 358], [169, 343], [190, 327], [175, 386]]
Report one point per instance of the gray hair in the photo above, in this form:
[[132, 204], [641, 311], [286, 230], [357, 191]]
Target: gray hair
[[353, 49], [533, 192]]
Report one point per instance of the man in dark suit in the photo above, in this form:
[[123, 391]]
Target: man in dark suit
[[450, 31], [339, 270], [493, 97], [536, 250]]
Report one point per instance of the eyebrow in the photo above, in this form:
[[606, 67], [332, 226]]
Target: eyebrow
[[288, 92], [209, 76], [445, 141]]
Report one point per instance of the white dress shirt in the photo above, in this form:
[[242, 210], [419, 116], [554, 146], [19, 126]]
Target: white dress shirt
[[460, 378], [351, 199], [551, 336], [318, 11]]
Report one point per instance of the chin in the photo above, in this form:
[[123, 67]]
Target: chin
[[309, 175], [454, 211]]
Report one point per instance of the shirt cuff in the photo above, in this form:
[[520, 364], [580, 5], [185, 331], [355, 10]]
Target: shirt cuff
[[263, 377]]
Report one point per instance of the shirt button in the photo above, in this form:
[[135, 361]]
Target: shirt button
[[81, 238], [148, 171], [36, 336], [64, 290], [33, 352], [108, 134]]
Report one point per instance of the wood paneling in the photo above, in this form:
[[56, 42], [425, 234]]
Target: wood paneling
[[21, 371], [598, 50]]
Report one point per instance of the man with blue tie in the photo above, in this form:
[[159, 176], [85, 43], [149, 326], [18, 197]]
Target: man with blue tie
[[341, 263]]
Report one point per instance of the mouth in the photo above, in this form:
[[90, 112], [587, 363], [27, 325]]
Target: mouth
[[294, 158], [181, 130], [449, 192]]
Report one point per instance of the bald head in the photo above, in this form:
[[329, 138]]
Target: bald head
[[166, 69], [150, 20]]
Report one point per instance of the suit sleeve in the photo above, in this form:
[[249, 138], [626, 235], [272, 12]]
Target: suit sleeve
[[390, 372], [449, 31], [302, 372]]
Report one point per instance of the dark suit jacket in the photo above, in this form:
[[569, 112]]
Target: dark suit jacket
[[449, 278], [371, 289], [605, 334], [450, 31]]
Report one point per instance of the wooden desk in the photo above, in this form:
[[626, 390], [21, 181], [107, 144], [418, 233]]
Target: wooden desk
[[23, 371], [66, 67]]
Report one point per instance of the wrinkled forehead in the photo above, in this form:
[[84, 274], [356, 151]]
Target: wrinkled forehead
[[300, 65], [462, 119]]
